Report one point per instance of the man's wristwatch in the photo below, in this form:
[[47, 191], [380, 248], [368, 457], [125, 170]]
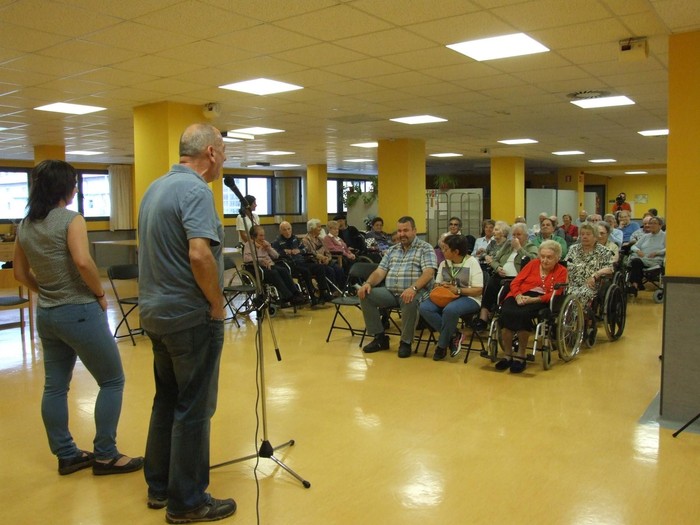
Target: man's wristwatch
[[414, 288]]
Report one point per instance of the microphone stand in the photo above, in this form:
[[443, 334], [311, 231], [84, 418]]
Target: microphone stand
[[266, 449]]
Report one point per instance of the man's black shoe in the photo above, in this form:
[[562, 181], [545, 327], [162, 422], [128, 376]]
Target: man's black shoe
[[213, 510], [380, 342], [439, 354], [404, 350]]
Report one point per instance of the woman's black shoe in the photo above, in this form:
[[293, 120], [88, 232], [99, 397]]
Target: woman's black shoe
[[83, 459], [104, 469]]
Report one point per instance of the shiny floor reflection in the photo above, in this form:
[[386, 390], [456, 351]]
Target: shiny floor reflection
[[382, 440]]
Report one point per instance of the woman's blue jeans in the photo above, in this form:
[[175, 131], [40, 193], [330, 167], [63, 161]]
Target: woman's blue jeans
[[67, 332], [444, 320], [186, 369]]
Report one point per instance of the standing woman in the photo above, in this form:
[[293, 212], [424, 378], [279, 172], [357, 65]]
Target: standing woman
[[52, 258]]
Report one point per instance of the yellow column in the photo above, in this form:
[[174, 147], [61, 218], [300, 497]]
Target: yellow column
[[316, 192], [49, 152], [157, 130], [401, 179], [683, 190], [507, 188]]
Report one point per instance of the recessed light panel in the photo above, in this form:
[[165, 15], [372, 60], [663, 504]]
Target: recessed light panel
[[71, 109], [653, 132], [275, 153], [231, 139], [512, 142], [505, 46], [603, 102], [286, 165], [256, 131], [636, 173], [569, 152], [602, 161], [358, 160], [446, 155], [366, 145], [418, 119], [84, 153], [261, 86]]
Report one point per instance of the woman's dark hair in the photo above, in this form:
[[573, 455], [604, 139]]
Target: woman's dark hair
[[376, 220], [457, 243], [51, 181]]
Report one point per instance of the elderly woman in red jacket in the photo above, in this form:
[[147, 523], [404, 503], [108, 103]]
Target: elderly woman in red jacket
[[529, 292]]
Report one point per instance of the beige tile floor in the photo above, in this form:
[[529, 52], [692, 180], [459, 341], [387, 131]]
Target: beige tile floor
[[382, 440]]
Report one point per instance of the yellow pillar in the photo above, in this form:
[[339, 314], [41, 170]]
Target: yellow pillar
[[507, 188], [316, 192], [401, 180], [48, 152], [157, 130], [683, 190]]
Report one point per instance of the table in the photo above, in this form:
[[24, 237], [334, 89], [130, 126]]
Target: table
[[7, 250]]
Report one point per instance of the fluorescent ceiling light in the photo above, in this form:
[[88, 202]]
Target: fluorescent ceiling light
[[257, 131], [358, 160], [84, 153], [72, 109], [512, 142], [570, 152], [505, 46], [240, 136], [653, 132], [418, 119], [3, 129], [446, 155], [603, 102], [261, 86], [231, 139], [286, 165], [274, 153], [598, 161], [636, 173], [366, 144]]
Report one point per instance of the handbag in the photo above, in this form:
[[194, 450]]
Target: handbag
[[442, 296]]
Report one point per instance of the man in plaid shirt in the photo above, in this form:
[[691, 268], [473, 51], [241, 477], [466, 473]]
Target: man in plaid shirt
[[407, 271]]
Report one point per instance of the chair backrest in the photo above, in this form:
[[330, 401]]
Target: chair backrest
[[123, 271], [10, 301]]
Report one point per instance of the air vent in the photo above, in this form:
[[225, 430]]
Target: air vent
[[585, 95]]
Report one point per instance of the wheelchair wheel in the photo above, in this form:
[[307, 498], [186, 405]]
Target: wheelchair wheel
[[615, 312], [590, 330], [658, 296], [569, 328]]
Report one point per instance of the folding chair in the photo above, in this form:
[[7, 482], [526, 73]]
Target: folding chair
[[239, 292], [22, 300], [125, 272], [359, 272]]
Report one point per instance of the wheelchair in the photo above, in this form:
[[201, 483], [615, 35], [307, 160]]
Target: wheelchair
[[275, 301], [609, 306], [557, 328], [652, 276]]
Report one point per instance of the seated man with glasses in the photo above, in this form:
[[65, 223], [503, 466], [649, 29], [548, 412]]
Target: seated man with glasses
[[649, 251]]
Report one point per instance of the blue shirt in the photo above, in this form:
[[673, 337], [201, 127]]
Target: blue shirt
[[405, 267], [175, 208]]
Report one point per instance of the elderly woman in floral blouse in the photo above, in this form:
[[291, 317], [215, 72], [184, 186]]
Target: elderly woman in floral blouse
[[587, 262]]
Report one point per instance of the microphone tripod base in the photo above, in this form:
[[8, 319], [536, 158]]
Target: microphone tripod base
[[267, 451]]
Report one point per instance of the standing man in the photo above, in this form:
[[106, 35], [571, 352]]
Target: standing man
[[243, 224], [407, 270], [182, 311]]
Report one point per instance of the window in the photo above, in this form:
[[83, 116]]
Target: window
[[335, 189], [93, 200], [14, 192], [273, 196]]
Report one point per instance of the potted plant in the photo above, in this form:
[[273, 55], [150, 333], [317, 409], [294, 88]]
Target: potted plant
[[445, 182]]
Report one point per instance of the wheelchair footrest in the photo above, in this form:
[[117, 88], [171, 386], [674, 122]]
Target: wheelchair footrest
[[530, 357]]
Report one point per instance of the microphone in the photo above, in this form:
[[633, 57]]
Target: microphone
[[230, 183]]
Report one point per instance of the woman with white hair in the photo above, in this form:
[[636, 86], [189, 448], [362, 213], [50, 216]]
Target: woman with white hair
[[313, 243]]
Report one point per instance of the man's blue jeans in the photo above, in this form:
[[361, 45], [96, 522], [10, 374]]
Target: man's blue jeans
[[379, 298], [67, 332], [186, 369]]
